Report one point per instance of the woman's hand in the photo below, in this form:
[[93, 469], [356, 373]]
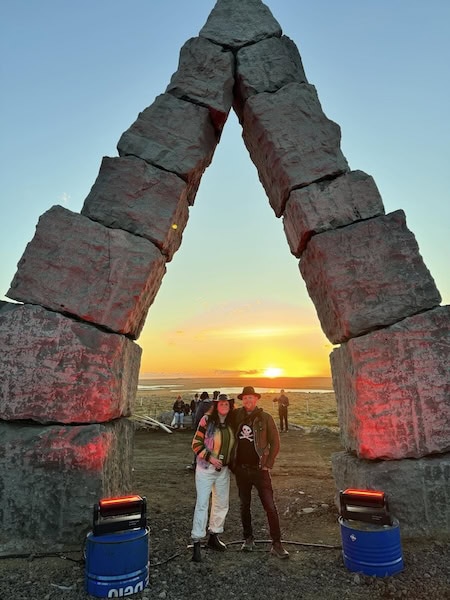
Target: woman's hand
[[215, 462]]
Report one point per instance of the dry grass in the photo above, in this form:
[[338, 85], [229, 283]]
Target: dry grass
[[306, 408]]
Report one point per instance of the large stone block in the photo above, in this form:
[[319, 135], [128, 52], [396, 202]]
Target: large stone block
[[266, 67], [56, 369], [51, 477], [418, 490], [393, 388], [291, 141], [366, 276], [328, 205], [101, 275], [132, 195], [234, 23], [174, 135], [205, 76]]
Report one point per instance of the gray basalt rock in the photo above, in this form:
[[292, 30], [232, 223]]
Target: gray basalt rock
[[266, 67], [205, 76], [58, 473], [174, 135], [366, 276], [77, 266], [328, 205], [132, 195], [54, 369], [291, 141], [236, 23], [393, 388], [418, 491]]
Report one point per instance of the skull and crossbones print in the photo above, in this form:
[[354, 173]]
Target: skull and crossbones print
[[246, 433]]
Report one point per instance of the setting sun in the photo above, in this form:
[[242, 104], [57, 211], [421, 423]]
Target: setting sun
[[273, 372]]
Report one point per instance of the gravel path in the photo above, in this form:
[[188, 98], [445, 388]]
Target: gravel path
[[309, 573]]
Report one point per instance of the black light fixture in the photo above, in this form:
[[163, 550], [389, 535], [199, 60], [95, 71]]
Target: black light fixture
[[119, 514], [369, 506]]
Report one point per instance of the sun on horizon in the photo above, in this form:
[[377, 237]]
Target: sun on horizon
[[272, 372]]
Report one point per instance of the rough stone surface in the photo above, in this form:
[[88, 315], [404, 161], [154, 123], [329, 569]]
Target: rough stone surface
[[328, 205], [291, 141], [393, 388], [236, 23], [132, 195], [366, 276], [266, 67], [205, 76], [175, 135], [55, 369], [58, 473], [418, 490], [104, 276]]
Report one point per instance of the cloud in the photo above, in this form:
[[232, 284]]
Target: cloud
[[236, 372]]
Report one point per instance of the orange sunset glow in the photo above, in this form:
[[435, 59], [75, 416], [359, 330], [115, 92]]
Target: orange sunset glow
[[300, 350]]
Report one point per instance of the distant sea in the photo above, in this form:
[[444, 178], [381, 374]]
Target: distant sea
[[233, 385]]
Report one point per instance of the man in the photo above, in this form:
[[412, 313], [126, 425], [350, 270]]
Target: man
[[283, 403], [257, 445]]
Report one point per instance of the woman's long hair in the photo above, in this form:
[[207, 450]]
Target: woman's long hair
[[214, 417]]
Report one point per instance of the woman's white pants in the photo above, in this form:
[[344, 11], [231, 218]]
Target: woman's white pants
[[216, 484]]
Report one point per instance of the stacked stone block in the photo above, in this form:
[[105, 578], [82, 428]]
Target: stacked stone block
[[68, 364]]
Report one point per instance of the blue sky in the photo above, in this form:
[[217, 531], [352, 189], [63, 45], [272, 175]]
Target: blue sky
[[75, 75]]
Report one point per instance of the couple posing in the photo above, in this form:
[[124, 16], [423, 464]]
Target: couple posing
[[247, 440]]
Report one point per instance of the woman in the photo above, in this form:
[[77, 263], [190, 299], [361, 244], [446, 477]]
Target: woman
[[212, 444], [178, 413]]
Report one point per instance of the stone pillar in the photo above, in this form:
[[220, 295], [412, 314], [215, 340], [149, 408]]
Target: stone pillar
[[51, 477], [363, 270]]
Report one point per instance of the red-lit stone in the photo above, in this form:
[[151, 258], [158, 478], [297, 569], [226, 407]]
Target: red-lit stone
[[366, 275], [54, 369], [101, 275], [51, 477], [393, 388]]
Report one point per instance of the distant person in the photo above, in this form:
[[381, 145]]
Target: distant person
[[283, 403], [194, 403], [213, 443], [258, 444], [203, 406], [178, 413]]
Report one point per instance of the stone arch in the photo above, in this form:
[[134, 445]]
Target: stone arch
[[87, 280]]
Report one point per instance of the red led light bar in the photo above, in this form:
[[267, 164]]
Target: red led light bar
[[119, 514], [367, 494], [121, 505]]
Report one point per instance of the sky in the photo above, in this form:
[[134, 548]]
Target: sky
[[75, 75]]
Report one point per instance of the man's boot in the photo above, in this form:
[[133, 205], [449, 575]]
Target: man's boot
[[196, 553], [278, 550], [215, 544]]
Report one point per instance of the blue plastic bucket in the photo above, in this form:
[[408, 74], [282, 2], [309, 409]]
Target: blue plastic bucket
[[117, 563], [371, 549]]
